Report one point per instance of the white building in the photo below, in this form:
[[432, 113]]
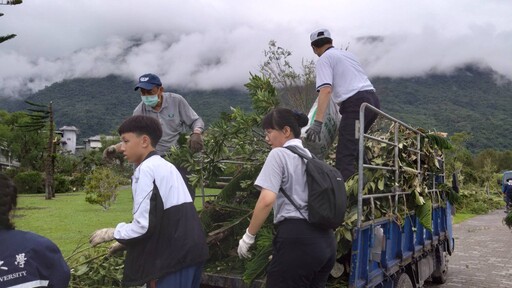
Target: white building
[[6, 159], [68, 141], [94, 142]]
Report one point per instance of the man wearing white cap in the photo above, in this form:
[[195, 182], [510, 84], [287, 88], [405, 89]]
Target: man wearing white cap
[[339, 75]]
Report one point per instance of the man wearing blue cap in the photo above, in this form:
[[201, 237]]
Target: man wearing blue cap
[[173, 112], [339, 75]]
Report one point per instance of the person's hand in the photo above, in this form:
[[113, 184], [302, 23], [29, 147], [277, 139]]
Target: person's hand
[[244, 245], [313, 133], [195, 142], [115, 248], [109, 152], [102, 235]]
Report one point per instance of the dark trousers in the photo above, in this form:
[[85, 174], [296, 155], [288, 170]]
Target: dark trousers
[[508, 197], [189, 277], [303, 255], [348, 145]]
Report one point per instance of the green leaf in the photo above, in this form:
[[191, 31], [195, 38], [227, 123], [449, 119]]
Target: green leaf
[[381, 183], [258, 264], [418, 199], [424, 214]]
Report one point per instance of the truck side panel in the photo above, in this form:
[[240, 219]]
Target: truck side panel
[[404, 244]]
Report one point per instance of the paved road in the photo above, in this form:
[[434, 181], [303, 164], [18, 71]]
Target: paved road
[[483, 253]]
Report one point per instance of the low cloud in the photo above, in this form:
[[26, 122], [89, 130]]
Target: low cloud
[[215, 44]]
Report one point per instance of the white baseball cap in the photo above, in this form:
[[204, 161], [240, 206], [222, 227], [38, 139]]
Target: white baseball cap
[[320, 33]]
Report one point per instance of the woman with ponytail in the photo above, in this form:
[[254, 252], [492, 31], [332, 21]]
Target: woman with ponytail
[[303, 255], [26, 259]]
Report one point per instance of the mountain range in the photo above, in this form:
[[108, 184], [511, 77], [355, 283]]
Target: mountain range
[[471, 99]]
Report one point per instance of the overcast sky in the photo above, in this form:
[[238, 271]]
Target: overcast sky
[[203, 44]]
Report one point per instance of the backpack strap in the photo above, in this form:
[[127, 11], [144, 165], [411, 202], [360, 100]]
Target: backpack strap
[[291, 201], [294, 150]]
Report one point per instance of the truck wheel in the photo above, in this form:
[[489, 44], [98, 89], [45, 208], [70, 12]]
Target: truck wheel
[[440, 274], [403, 281]]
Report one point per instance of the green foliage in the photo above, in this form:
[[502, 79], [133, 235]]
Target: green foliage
[[66, 164], [459, 159], [26, 146], [257, 266], [417, 182], [62, 183], [424, 214], [105, 102], [474, 200], [263, 94], [7, 37], [235, 143], [101, 187], [93, 267], [296, 89], [88, 160], [471, 99], [236, 137], [508, 220], [29, 182]]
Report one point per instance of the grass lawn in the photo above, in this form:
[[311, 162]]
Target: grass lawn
[[461, 217], [68, 220]]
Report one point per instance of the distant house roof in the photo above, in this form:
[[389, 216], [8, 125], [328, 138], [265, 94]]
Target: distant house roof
[[68, 128], [98, 138]]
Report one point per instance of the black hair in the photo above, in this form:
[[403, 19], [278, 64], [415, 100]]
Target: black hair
[[321, 42], [278, 118], [142, 125], [8, 201]]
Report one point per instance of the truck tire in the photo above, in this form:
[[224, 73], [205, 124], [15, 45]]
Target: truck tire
[[440, 274], [402, 280]]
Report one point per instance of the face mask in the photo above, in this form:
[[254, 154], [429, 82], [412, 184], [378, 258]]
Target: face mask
[[150, 100]]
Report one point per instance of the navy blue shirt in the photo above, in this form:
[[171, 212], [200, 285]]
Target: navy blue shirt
[[31, 260]]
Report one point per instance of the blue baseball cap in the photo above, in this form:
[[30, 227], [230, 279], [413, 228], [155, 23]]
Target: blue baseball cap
[[148, 81]]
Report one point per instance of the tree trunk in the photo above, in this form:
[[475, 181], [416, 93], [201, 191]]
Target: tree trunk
[[48, 185]]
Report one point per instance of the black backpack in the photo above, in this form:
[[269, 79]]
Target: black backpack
[[327, 198]]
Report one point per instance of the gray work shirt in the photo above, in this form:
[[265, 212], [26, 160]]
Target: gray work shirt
[[175, 115], [285, 169]]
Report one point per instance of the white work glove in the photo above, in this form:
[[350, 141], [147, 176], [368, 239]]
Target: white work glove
[[115, 248], [102, 235], [244, 244]]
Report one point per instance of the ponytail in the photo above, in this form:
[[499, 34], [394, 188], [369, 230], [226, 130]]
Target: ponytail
[[278, 118]]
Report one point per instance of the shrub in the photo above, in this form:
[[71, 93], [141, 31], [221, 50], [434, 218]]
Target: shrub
[[29, 182], [474, 200], [62, 183], [101, 187], [11, 172], [77, 181]]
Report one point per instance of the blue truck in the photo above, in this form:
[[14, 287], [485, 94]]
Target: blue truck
[[386, 252]]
